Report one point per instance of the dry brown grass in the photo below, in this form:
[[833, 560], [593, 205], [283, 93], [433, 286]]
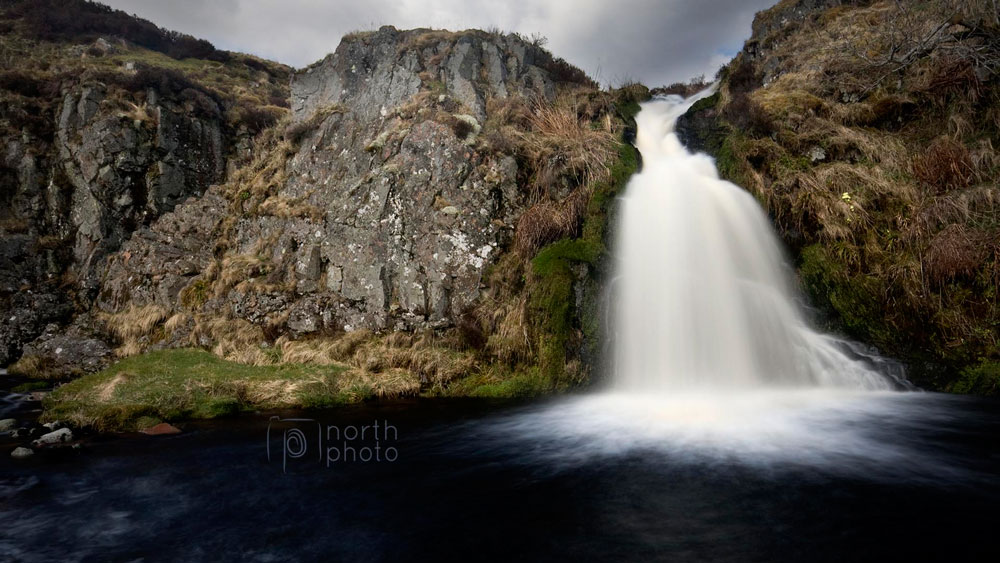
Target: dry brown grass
[[945, 165], [29, 365], [433, 359], [429, 38], [15, 225], [878, 147], [502, 313], [509, 340], [175, 322], [272, 392], [390, 384], [136, 321], [129, 348], [972, 205], [253, 271], [548, 221], [236, 340], [137, 112], [838, 198], [955, 251], [249, 185], [134, 326], [985, 161], [561, 145], [951, 78]]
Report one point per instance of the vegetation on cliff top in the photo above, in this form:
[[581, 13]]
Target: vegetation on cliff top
[[49, 46]]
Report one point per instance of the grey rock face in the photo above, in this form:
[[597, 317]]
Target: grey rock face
[[159, 261], [22, 453], [71, 351], [412, 213], [406, 238], [372, 73], [25, 316], [406, 209], [126, 172], [76, 199]]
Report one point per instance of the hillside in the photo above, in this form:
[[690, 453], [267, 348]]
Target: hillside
[[428, 218], [867, 130]]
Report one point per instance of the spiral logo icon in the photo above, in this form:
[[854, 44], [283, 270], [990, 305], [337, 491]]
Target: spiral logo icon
[[295, 435], [295, 443]]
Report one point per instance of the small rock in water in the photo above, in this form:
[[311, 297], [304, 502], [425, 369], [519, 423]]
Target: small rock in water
[[21, 453], [8, 424], [61, 435], [161, 429], [55, 425]]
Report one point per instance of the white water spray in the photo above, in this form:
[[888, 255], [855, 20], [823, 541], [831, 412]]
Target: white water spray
[[704, 298]]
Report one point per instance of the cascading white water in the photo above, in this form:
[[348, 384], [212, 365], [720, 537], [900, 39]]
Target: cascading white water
[[704, 298]]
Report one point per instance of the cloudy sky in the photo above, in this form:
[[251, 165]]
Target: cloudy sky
[[653, 41]]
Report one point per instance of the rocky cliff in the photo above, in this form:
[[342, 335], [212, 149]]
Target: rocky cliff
[[417, 193], [101, 136], [867, 130], [385, 210]]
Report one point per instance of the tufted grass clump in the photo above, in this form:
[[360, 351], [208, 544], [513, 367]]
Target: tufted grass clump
[[134, 327]]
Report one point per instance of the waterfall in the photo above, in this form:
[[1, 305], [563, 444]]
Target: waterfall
[[703, 296]]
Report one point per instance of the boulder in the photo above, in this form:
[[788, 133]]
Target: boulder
[[55, 437]]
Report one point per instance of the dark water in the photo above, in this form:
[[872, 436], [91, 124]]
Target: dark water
[[475, 481]]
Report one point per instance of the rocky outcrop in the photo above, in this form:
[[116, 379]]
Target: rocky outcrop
[[407, 165], [374, 72], [126, 170], [391, 209], [111, 168]]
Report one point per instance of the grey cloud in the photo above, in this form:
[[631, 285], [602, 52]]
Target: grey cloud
[[654, 41]]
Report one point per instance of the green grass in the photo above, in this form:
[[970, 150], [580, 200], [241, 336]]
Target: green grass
[[170, 385], [500, 383], [705, 103]]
